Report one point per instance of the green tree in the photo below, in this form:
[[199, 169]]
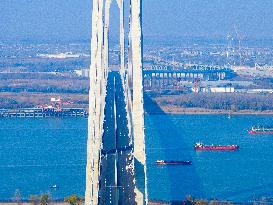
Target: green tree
[[74, 200], [200, 202], [44, 199]]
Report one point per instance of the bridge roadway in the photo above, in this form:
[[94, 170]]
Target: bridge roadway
[[116, 174]]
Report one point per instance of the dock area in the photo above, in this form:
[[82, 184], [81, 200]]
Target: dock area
[[42, 112]]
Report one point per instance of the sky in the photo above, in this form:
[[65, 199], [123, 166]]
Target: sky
[[71, 19]]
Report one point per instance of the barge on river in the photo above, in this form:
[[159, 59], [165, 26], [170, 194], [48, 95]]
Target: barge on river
[[165, 162], [261, 130], [202, 147]]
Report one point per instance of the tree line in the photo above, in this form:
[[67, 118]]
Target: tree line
[[223, 101]]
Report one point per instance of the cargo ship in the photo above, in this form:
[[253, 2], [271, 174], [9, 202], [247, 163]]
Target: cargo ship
[[202, 147], [165, 162], [261, 130]]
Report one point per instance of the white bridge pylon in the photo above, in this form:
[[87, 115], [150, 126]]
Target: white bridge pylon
[[131, 75]]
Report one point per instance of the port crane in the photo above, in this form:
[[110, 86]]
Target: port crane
[[240, 39]]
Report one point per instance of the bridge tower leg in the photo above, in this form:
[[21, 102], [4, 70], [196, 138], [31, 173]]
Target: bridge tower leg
[[96, 105], [138, 110], [98, 80]]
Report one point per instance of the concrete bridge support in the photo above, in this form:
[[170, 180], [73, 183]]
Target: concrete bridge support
[[138, 111], [133, 91], [96, 104]]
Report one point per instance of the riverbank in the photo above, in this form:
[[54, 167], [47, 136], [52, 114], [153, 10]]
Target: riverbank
[[176, 110], [203, 202], [33, 203], [211, 103], [64, 203]]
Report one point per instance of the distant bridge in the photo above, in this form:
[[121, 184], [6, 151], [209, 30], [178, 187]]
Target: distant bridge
[[162, 76]]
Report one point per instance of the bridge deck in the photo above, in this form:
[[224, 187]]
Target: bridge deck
[[116, 177]]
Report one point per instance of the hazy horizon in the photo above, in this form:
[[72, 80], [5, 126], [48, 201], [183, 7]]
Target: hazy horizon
[[65, 20]]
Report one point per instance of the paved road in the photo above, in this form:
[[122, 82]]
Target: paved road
[[116, 181]]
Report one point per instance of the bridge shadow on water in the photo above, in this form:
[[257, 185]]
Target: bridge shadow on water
[[164, 141]]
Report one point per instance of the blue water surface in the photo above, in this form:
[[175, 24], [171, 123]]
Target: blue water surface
[[38, 153], [240, 176]]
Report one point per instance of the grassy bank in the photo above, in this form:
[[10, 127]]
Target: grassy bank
[[210, 103], [191, 111]]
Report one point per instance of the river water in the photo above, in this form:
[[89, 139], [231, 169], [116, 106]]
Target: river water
[[36, 154]]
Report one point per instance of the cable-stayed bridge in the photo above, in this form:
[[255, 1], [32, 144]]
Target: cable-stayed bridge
[[116, 159]]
